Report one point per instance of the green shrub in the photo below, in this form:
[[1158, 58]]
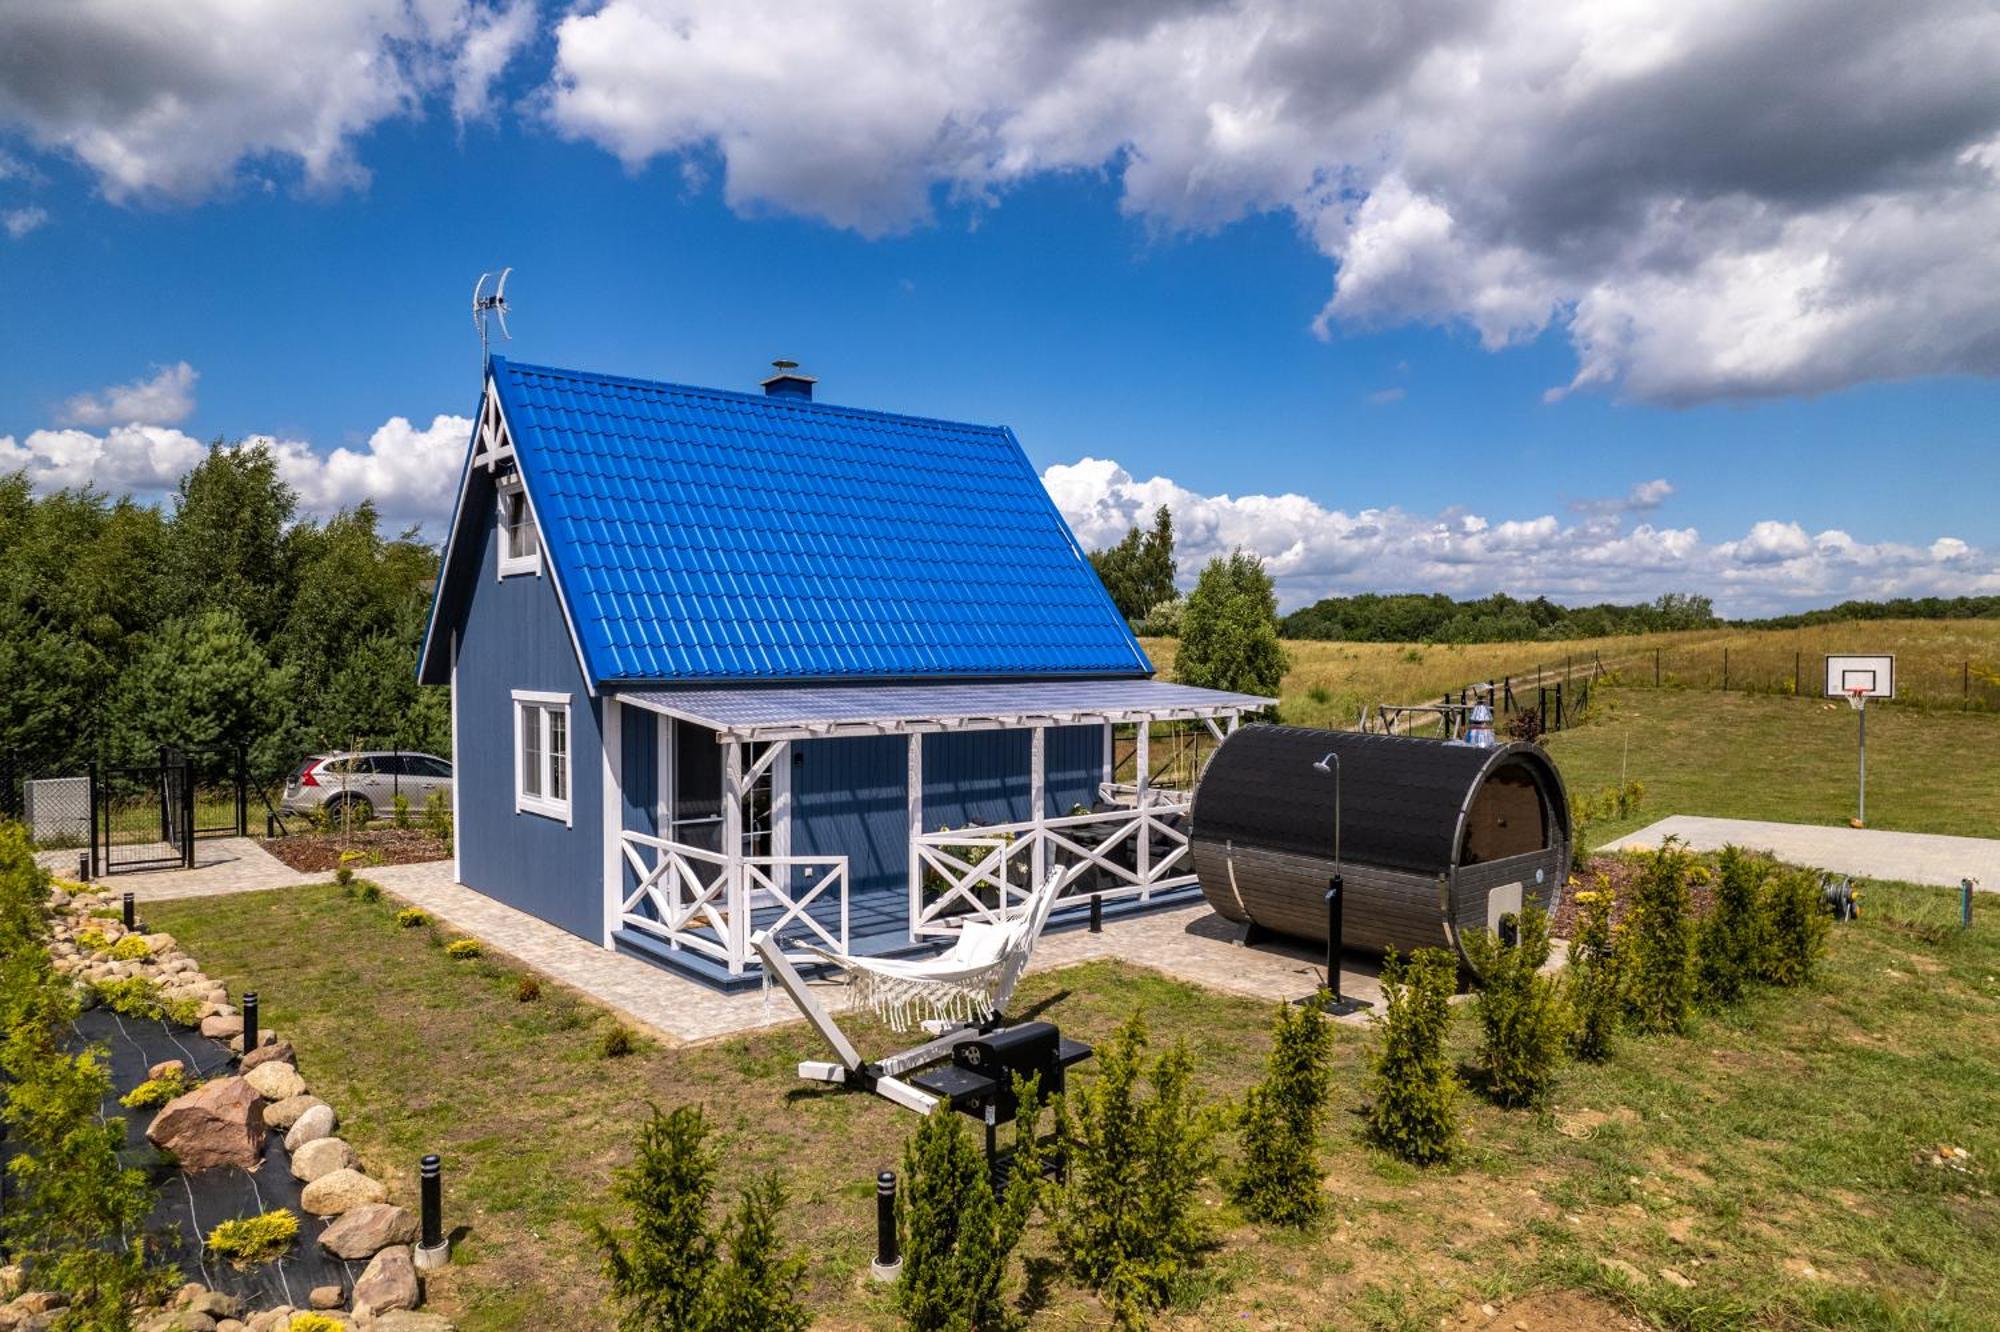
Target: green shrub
[[1413, 1092], [93, 941], [181, 1012], [462, 950], [250, 1240], [1727, 943], [401, 804], [157, 1091], [1280, 1181], [1796, 925], [1126, 1217], [413, 918], [131, 996], [437, 816], [130, 948], [1597, 1000], [1523, 1021], [314, 1322], [617, 1042], [667, 1269], [527, 990], [1659, 943], [367, 890], [957, 1236]]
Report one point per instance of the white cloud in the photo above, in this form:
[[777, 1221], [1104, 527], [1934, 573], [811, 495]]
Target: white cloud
[[138, 459], [166, 398], [170, 101], [1314, 551], [1641, 498], [20, 221], [411, 474], [1709, 199]]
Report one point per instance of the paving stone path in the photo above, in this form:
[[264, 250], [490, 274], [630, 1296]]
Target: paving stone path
[[221, 865], [1872, 853]]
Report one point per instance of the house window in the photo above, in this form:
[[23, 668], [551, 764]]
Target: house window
[[520, 546], [541, 754]]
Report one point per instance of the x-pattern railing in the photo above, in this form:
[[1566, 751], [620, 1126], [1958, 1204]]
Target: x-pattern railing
[[699, 899]]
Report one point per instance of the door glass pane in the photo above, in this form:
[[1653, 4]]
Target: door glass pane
[[697, 796], [531, 749], [757, 809]]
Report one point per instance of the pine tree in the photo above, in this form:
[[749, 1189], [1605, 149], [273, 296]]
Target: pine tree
[[1659, 939], [1727, 941], [756, 1290], [1522, 1017], [1282, 1118], [1413, 1091], [1596, 987]]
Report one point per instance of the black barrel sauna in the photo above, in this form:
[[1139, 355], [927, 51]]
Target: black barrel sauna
[[1435, 838]]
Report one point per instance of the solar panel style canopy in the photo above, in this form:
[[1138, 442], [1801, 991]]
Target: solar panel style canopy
[[806, 711]]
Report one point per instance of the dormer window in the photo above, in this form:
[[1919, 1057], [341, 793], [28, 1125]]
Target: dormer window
[[520, 545]]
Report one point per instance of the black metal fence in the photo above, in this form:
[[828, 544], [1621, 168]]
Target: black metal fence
[[131, 815]]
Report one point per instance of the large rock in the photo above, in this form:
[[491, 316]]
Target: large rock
[[221, 1026], [367, 1230], [219, 1123], [326, 1297], [264, 1054], [341, 1192], [389, 1283], [276, 1081], [281, 1115], [317, 1122], [322, 1156], [166, 1068], [217, 1304]]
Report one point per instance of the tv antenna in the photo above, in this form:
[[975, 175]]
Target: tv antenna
[[494, 305]]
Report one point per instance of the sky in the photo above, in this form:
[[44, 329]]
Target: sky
[[1593, 301]]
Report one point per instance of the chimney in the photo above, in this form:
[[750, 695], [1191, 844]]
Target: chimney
[[788, 382]]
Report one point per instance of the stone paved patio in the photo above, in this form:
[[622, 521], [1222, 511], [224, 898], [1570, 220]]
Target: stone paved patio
[[1874, 853], [221, 865]]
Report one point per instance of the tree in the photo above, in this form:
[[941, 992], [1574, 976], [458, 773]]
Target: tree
[[1138, 572], [1229, 629], [1727, 942], [1127, 1216], [957, 1236], [1282, 1118], [1660, 938], [1522, 1019], [1413, 1093], [667, 1270], [202, 681], [226, 546]]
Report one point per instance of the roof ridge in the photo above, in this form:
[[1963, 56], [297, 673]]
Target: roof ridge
[[738, 395]]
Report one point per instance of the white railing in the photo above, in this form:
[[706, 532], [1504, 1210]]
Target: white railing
[[986, 873], [710, 903]]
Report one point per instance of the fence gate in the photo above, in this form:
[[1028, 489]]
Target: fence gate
[[143, 815]]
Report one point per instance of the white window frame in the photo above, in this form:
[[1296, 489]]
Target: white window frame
[[511, 564], [543, 705]]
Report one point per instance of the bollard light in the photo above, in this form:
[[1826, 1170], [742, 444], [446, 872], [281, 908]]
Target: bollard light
[[130, 911], [432, 1251], [83, 867], [249, 1021], [1096, 913], [888, 1264], [1965, 904]]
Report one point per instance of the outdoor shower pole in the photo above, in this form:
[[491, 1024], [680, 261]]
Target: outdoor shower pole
[[1335, 1005]]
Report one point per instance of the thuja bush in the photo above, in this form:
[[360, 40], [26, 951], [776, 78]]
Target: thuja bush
[[1795, 927], [957, 1233], [1659, 943], [1597, 1002], [1137, 1141], [1523, 1019], [1413, 1091], [670, 1269], [1279, 1181], [1728, 942]]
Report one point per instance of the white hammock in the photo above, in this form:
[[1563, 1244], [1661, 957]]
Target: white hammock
[[968, 982]]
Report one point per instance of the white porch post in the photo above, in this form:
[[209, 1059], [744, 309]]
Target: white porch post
[[1110, 769], [732, 847], [1038, 797], [915, 795], [1143, 762], [612, 746], [457, 875]]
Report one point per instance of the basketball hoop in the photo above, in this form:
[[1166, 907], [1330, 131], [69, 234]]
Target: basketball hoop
[[1857, 698]]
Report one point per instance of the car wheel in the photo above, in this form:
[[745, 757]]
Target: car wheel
[[356, 808]]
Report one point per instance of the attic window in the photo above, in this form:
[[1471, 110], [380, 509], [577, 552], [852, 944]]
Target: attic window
[[520, 545]]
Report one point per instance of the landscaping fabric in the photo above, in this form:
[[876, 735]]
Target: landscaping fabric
[[188, 1206]]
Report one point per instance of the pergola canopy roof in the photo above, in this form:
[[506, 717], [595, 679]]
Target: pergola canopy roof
[[795, 712]]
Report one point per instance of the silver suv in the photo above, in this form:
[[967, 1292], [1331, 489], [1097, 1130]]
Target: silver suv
[[360, 784]]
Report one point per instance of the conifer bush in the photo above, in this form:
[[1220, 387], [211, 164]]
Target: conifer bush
[[1523, 1017], [1127, 1218], [957, 1235], [1728, 941], [1413, 1090], [250, 1240], [1795, 927], [1596, 992], [1280, 1178], [1659, 943], [669, 1272]]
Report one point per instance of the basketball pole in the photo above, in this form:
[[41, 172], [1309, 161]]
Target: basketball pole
[[1861, 805]]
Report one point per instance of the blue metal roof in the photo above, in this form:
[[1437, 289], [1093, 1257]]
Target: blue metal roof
[[703, 535]]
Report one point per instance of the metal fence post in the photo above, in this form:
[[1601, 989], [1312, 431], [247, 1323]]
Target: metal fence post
[[1798, 676], [1656, 668], [1725, 670], [91, 773], [242, 790]]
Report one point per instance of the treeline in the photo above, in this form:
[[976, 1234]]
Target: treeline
[[222, 618], [1899, 608], [1436, 618]]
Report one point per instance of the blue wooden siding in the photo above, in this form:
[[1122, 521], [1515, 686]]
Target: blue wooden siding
[[513, 637], [1072, 767], [849, 798], [975, 776]]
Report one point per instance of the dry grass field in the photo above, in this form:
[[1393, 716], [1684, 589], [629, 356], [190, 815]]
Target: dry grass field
[[1940, 663]]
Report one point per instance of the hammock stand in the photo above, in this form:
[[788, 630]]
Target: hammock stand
[[960, 995]]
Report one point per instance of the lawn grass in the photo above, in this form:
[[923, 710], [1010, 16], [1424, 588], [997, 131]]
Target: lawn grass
[[1783, 1135], [1754, 756]]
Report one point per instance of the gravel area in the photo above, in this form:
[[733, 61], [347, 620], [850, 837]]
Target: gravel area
[[1620, 873], [319, 853]]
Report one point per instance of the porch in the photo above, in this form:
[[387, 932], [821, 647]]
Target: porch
[[877, 819]]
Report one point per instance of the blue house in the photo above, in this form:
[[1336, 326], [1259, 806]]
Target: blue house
[[723, 662]]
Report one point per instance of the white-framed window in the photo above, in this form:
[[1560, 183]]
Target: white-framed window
[[541, 754], [520, 544]]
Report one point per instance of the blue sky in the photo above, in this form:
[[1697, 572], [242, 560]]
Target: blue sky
[[1167, 334]]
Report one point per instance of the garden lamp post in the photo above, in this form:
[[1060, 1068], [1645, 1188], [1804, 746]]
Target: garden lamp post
[[1335, 1005]]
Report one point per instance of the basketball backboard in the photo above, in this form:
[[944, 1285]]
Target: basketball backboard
[[1876, 675]]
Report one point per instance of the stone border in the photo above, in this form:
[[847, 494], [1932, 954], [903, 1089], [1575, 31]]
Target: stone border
[[228, 1120]]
